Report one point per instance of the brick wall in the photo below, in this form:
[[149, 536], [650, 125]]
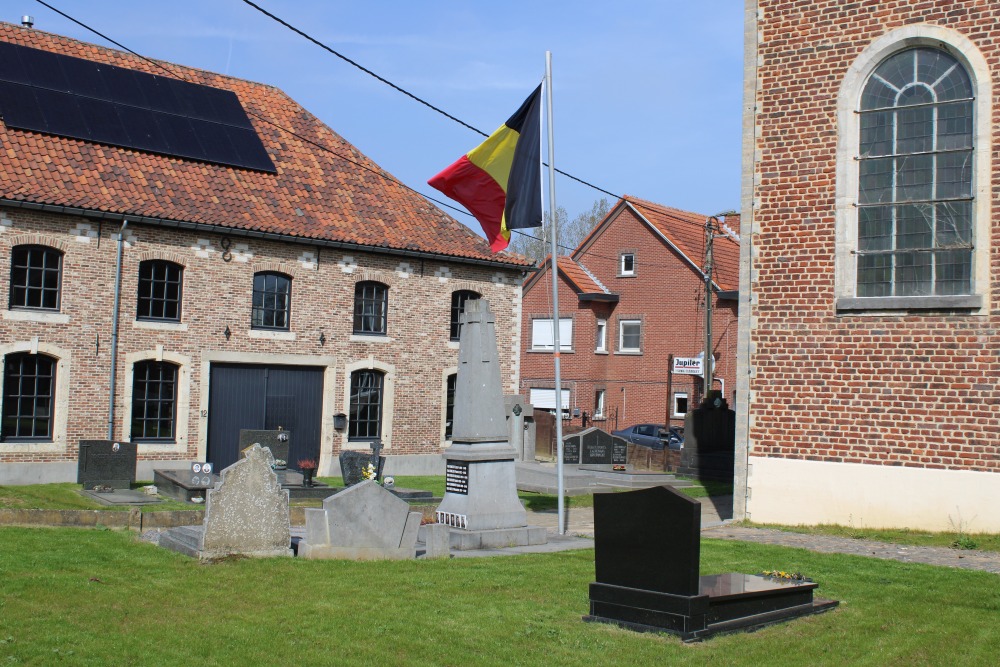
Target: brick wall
[[666, 294], [905, 389], [217, 294]]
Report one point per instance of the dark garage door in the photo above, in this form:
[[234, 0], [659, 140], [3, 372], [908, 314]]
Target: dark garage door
[[258, 397]]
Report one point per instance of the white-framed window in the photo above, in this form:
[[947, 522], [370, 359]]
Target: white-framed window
[[912, 211], [599, 404], [542, 338], [601, 343], [626, 265], [680, 403], [630, 336], [545, 399]]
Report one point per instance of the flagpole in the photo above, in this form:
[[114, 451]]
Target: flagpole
[[555, 294]]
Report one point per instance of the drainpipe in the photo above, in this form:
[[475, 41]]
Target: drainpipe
[[114, 332]]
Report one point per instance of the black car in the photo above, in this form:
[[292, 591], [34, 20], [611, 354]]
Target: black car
[[654, 436]]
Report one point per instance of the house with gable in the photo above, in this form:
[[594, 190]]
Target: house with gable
[[188, 255], [869, 348], [631, 300]]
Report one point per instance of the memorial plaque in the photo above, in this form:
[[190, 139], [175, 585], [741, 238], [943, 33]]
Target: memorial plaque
[[106, 463], [456, 478], [571, 449]]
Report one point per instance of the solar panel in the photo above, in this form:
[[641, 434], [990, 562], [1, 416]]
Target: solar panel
[[71, 97]]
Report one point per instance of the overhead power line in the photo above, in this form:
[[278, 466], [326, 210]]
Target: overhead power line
[[378, 172], [416, 98]]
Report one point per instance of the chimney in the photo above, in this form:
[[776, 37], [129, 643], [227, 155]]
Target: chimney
[[28, 21]]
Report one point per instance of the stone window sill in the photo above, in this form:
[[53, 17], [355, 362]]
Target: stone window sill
[[370, 338], [268, 334], [882, 303], [160, 326], [36, 316]]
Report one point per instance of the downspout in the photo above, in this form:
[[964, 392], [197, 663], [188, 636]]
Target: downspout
[[114, 332]]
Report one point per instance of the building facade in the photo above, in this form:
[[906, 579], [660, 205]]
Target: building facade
[[631, 300], [870, 354], [175, 301]]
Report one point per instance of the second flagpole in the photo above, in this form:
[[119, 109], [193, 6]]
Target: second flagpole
[[555, 294]]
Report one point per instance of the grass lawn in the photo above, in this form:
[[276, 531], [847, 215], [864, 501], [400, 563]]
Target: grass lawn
[[100, 597]]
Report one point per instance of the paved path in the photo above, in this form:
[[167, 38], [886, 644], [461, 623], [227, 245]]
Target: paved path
[[988, 561], [715, 511]]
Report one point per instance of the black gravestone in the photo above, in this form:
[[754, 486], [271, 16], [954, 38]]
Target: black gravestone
[[601, 448], [662, 557], [571, 449], [353, 462], [278, 442], [106, 463], [646, 556]]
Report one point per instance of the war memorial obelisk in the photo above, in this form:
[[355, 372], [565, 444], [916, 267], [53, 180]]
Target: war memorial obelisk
[[480, 502]]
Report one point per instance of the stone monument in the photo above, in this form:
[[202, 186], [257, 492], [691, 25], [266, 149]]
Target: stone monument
[[480, 502], [363, 522], [246, 514]]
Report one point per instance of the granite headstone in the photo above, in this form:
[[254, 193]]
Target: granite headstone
[[363, 522], [278, 442], [601, 448], [106, 463], [245, 514]]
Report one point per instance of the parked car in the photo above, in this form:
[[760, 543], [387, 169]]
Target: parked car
[[654, 436]]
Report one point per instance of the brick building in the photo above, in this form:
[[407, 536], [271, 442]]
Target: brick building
[[630, 296], [270, 274], [870, 352]]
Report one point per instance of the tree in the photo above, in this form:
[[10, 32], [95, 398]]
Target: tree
[[534, 243]]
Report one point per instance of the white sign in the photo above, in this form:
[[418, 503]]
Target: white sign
[[689, 365]]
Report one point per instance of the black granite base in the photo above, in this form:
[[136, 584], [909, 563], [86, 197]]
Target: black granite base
[[726, 603]]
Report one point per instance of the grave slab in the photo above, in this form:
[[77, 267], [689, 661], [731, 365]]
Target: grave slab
[[646, 557]]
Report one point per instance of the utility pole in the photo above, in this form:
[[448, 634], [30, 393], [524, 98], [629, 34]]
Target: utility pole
[[711, 228]]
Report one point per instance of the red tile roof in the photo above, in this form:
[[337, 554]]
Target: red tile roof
[[583, 281], [339, 196], [686, 231]]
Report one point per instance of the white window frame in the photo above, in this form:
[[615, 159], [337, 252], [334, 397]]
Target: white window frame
[[542, 339], [601, 344], [966, 52], [674, 404], [622, 271], [545, 399], [600, 395], [621, 336]]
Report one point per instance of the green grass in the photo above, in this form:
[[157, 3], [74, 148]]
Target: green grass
[[92, 597]]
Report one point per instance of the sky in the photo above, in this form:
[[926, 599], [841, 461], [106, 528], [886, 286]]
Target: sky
[[647, 94]]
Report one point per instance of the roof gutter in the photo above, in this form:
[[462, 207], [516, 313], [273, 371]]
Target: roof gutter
[[249, 233]]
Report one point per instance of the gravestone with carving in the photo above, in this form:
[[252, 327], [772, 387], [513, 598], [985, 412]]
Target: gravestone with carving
[[245, 514], [106, 464], [646, 555], [363, 522]]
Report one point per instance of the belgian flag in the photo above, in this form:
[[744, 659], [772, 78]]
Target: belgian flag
[[499, 181]]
